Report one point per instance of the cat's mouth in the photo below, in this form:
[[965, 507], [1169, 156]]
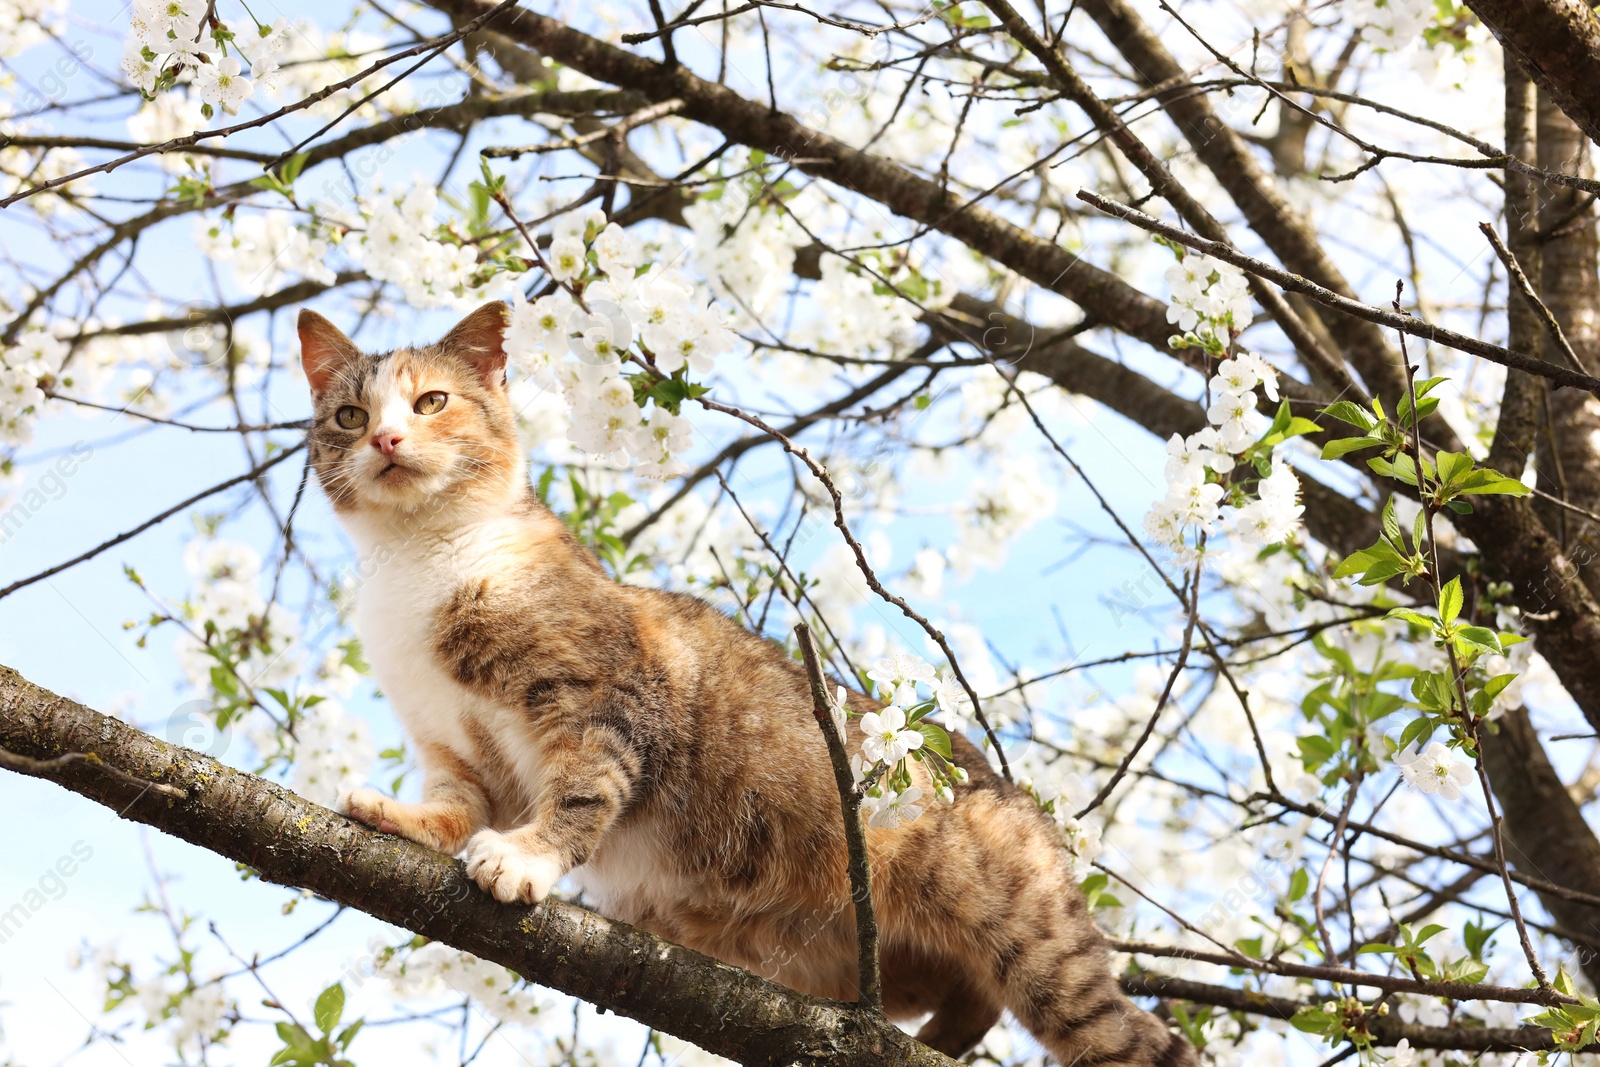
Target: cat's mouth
[[393, 467]]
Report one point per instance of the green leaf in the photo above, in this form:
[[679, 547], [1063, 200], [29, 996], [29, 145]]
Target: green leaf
[[1425, 407], [1496, 685], [1355, 563], [348, 1034], [1452, 465], [1381, 572], [1476, 937], [329, 1007], [1390, 524], [1299, 881], [1351, 413], [1280, 419], [1314, 750], [292, 168], [1450, 601], [1428, 385], [1427, 932], [1418, 730], [1485, 482], [935, 738], [1410, 615], [1346, 445], [1481, 637], [1375, 946], [1401, 469]]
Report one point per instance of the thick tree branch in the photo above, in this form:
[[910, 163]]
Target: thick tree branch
[[290, 841], [1558, 42], [926, 202], [1546, 830]]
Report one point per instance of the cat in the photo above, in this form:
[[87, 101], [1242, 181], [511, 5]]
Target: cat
[[656, 751]]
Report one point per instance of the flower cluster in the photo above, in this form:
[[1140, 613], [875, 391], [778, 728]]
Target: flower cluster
[[616, 312], [37, 357], [265, 248], [1202, 469], [21, 23], [241, 654], [194, 1012], [862, 316], [433, 969], [900, 732], [1210, 301], [171, 37], [399, 246], [746, 250]]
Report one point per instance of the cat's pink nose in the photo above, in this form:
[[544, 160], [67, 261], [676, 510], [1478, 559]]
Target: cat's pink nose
[[386, 441]]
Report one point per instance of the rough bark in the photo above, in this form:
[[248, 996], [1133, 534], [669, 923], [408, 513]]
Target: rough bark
[[1558, 42], [1546, 833], [1547, 585], [293, 842], [1568, 463], [1522, 400]]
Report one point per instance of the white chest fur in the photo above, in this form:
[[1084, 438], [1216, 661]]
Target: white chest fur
[[409, 579]]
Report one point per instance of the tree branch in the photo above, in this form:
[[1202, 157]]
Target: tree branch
[[1558, 43], [871, 984], [1293, 283], [291, 841]]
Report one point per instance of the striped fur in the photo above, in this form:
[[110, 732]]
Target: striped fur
[[665, 758]]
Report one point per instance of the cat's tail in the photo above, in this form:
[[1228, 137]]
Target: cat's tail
[[1060, 988]]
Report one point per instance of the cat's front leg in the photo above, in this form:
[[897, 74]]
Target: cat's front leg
[[453, 806], [588, 782]]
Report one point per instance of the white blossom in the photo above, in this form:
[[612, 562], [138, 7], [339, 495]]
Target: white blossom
[[892, 809], [885, 738], [898, 676], [222, 84], [1434, 771]]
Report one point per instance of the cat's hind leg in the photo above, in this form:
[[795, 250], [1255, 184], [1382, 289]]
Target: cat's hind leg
[[960, 1020]]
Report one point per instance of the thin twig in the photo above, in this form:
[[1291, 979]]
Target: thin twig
[[871, 988], [160, 517], [820, 472], [1525, 287], [48, 768]]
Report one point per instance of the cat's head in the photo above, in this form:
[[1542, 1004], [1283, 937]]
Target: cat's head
[[421, 427]]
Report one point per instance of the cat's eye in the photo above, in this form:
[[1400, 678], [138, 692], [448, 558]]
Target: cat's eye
[[351, 418], [430, 403]]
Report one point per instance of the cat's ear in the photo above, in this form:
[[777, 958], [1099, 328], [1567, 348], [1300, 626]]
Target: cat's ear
[[479, 340], [324, 350]]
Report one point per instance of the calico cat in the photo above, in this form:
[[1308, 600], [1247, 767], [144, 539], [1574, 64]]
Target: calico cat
[[656, 751]]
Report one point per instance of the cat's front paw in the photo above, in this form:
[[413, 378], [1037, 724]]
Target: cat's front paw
[[508, 873], [367, 806]]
